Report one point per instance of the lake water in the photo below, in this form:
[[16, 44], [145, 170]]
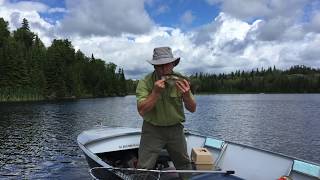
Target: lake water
[[38, 140]]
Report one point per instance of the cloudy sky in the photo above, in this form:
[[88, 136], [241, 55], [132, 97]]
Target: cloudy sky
[[211, 36]]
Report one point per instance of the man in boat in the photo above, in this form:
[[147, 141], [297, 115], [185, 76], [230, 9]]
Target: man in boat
[[160, 103]]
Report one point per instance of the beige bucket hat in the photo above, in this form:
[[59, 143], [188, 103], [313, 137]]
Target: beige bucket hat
[[163, 55]]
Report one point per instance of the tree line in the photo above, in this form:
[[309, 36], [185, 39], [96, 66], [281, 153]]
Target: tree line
[[30, 71], [296, 79]]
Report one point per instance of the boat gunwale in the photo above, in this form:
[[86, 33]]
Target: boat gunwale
[[187, 132], [251, 147], [291, 158], [93, 156], [83, 133]]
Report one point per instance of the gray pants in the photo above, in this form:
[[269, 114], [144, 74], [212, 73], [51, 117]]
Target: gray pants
[[155, 138]]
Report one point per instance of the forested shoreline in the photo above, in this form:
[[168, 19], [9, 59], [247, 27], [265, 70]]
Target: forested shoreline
[[297, 79], [29, 71]]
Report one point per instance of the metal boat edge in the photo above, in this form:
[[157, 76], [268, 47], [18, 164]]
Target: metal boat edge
[[299, 167]]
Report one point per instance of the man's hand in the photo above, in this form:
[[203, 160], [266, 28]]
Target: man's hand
[[148, 104], [183, 86], [159, 86]]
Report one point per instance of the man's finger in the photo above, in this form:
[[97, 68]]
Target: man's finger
[[162, 85], [160, 82], [186, 86], [181, 87], [182, 84], [187, 83]]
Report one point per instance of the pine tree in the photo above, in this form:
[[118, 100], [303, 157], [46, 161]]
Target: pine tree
[[38, 56], [4, 38], [29, 69], [56, 70], [24, 35], [122, 83], [4, 32]]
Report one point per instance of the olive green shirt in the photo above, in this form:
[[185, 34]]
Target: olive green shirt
[[168, 110]]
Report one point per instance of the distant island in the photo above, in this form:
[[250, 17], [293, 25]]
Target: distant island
[[29, 71]]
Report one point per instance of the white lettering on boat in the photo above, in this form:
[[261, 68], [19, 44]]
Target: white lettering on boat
[[126, 146]]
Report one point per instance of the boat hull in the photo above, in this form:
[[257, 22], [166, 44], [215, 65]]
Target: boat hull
[[247, 162]]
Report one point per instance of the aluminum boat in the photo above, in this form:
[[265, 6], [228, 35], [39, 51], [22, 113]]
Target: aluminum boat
[[112, 153]]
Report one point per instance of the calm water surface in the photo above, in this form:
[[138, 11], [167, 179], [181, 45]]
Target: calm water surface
[[38, 140]]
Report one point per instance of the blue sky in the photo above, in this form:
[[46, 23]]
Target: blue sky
[[169, 14], [211, 36], [164, 13]]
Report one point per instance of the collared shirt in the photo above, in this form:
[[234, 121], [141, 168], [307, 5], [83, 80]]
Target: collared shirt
[[168, 110]]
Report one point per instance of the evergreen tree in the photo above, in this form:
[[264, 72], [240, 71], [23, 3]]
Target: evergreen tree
[[30, 71], [4, 37], [122, 83], [298, 79], [112, 82], [24, 35], [37, 62], [80, 62], [60, 56], [4, 32]]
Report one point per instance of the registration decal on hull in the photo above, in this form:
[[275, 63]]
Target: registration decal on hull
[[128, 146]]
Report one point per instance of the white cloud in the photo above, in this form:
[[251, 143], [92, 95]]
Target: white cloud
[[251, 9], [162, 9], [106, 17], [57, 10], [15, 12], [229, 29], [315, 22], [246, 9], [230, 42], [236, 44], [310, 49], [132, 54], [150, 2], [187, 17], [293, 33], [227, 49], [27, 6], [213, 2], [273, 29], [277, 17]]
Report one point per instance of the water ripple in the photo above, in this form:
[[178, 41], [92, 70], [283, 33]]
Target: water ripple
[[38, 140]]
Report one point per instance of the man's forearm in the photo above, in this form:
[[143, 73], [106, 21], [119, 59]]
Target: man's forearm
[[189, 103], [148, 104]]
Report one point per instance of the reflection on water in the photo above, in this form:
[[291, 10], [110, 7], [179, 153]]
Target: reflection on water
[[38, 140], [282, 123]]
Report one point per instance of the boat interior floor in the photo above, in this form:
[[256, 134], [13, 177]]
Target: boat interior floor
[[129, 159]]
